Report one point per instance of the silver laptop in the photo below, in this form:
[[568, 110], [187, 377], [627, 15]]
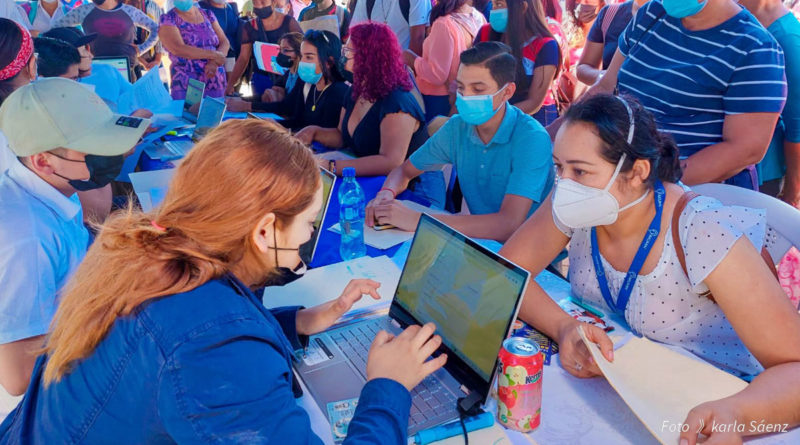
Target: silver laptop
[[194, 98], [121, 64], [211, 113], [472, 294], [309, 249]]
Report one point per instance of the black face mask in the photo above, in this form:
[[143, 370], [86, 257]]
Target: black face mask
[[102, 170], [284, 60], [348, 75], [262, 13], [98, 2]]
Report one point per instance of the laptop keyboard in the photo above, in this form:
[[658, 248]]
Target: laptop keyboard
[[178, 148], [429, 400]]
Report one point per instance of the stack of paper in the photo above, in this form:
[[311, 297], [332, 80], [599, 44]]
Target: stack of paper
[[324, 284], [148, 92], [388, 238], [660, 385]]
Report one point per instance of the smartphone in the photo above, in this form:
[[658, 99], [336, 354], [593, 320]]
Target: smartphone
[[380, 227]]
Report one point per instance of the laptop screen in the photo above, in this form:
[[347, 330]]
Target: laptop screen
[[211, 113], [194, 96], [471, 293], [307, 250], [118, 63]]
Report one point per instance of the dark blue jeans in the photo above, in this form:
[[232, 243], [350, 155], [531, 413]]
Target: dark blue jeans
[[546, 115]]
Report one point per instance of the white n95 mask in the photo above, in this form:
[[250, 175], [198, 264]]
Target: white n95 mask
[[579, 206]]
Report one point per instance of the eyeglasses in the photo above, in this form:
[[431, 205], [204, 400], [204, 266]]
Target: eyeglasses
[[348, 53]]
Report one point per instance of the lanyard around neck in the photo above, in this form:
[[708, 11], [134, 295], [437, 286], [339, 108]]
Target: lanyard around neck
[[638, 260]]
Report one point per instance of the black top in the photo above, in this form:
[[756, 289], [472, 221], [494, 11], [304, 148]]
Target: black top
[[366, 139], [322, 108], [253, 31]]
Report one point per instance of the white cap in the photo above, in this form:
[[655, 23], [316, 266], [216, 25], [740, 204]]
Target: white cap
[[61, 113]]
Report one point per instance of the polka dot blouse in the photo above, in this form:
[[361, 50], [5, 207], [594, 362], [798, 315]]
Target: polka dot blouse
[[665, 304]]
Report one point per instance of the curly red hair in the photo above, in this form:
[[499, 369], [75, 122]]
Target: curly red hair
[[378, 67]]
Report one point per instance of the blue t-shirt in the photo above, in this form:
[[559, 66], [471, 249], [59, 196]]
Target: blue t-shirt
[[614, 28], [691, 80], [786, 31], [108, 84], [230, 24], [517, 161]]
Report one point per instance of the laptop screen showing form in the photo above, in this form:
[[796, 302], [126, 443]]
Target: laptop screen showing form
[[210, 115], [469, 292], [308, 249], [194, 96], [120, 64]]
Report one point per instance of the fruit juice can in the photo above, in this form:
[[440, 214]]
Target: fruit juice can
[[519, 384]]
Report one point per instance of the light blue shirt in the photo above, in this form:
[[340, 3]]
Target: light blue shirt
[[786, 31], [108, 84], [517, 161], [42, 241]]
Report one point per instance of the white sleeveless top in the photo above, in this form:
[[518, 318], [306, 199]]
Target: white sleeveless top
[[665, 304]]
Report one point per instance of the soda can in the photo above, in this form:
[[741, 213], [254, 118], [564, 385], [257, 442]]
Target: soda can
[[519, 384]]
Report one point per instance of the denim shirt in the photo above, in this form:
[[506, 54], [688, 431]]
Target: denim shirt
[[210, 365]]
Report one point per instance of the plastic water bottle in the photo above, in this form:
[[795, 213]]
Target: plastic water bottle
[[351, 216]]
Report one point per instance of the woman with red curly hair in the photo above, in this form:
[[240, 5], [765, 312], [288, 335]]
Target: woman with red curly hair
[[382, 122]]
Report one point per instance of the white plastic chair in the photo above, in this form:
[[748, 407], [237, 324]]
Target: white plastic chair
[[783, 220]]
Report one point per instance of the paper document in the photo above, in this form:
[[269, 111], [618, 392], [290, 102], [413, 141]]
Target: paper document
[[266, 57], [326, 283], [148, 92], [385, 239], [151, 186], [660, 385], [324, 23]]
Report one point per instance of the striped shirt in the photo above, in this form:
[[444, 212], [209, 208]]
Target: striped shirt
[[691, 80]]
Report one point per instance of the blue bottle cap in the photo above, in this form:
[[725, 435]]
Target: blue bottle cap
[[349, 172]]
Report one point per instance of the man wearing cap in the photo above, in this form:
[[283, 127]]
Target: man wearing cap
[[42, 236], [108, 82]]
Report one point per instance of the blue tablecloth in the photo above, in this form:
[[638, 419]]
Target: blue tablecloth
[[328, 246]]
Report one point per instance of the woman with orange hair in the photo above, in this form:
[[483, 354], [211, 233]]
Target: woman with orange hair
[[159, 337]]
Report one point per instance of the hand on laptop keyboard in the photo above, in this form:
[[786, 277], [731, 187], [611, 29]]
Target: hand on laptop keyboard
[[404, 358]]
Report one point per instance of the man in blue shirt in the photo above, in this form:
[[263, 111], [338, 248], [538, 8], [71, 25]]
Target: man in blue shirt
[[42, 237], [503, 157]]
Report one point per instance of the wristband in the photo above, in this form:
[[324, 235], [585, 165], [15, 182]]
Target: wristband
[[394, 195]]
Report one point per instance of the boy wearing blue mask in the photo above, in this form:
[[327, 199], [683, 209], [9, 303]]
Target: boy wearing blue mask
[[503, 157]]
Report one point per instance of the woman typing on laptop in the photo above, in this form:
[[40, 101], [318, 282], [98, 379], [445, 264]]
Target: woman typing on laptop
[[616, 203], [177, 347]]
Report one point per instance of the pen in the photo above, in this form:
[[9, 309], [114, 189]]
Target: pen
[[588, 308], [482, 420]]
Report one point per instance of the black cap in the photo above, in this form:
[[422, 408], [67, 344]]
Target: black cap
[[73, 36]]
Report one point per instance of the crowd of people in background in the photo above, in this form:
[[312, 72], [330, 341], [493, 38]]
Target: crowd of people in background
[[630, 100]]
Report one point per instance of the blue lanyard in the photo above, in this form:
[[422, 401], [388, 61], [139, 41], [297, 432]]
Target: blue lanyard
[[638, 261]]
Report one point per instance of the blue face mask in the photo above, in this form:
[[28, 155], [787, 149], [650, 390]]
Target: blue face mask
[[498, 19], [477, 110], [183, 5], [683, 8], [308, 72]]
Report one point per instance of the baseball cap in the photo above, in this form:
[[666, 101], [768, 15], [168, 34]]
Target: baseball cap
[[56, 112], [73, 36]]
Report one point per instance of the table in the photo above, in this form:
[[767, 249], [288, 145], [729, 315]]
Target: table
[[574, 411]]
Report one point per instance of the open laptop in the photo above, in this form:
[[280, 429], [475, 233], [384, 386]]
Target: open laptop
[[472, 294], [121, 64], [194, 98], [309, 249], [211, 113]]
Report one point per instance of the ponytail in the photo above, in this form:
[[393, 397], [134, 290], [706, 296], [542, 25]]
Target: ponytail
[[668, 168], [238, 173]]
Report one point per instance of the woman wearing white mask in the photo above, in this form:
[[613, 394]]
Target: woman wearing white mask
[[614, 203]]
